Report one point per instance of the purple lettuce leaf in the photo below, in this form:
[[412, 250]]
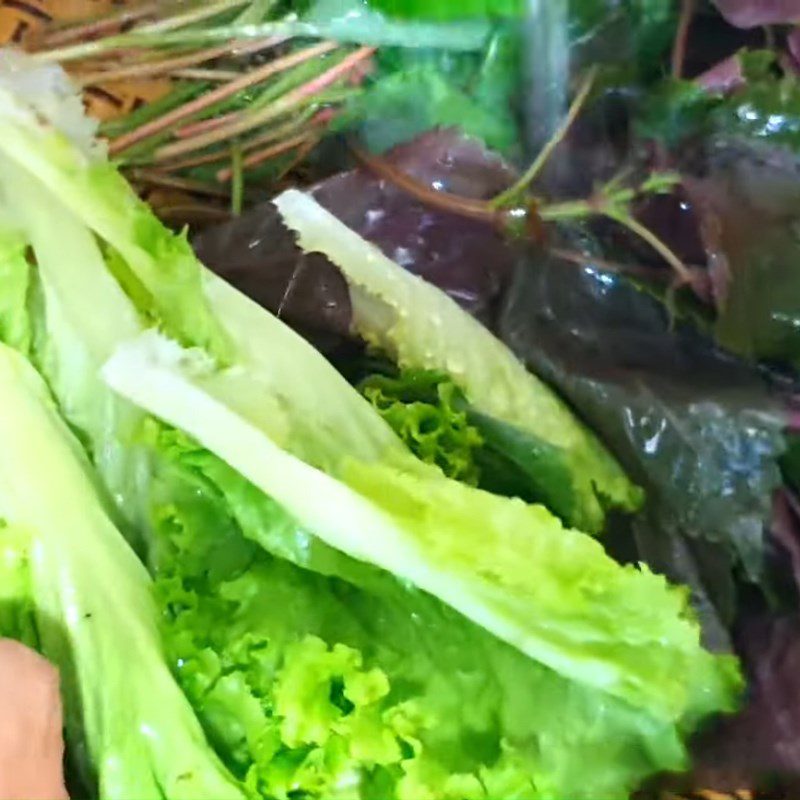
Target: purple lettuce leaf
[[259, 255], [753, 13], [471, 262], [759, 747]]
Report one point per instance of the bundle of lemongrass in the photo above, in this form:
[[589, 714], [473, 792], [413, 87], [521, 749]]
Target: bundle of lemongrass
[[206, 105]]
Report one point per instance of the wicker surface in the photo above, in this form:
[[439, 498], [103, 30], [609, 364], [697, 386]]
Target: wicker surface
[[23, 19]]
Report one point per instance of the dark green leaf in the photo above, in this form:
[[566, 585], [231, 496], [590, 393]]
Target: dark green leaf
[[674, 111], [692, 425], [446, 9], [791, 461], [765, 109], [428, 411], [518, 464], [761, 318], [417, 90]]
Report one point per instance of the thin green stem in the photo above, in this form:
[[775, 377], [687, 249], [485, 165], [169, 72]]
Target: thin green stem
[[582, 209], [571, 209], [512, 194], [646, 235], [237, 179]]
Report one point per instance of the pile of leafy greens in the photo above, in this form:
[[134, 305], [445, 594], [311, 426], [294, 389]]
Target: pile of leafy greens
[[340, 616], [692, 395]]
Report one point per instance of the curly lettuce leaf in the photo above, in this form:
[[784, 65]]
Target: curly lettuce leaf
[[427, 411], [432, 416], [422, 328], [92, 603], [551, 592], [341, 681]]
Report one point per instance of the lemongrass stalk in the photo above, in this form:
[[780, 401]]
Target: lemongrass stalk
[[205, 10], [205, 74], [260, 156], [153, 177], [271, 135], [288, 27], [221, 93], [93, 28], [249, 121], [169, 65], [203, 125], [179, 95]]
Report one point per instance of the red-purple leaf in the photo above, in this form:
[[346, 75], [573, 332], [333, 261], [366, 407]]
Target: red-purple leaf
[[752, 13]]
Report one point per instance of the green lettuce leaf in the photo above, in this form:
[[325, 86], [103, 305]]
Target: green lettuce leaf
[[15, 326], [344, 682], [69, 340], [428, 412], [144, 254], [442, 9], [415, 90], [92, 605], [356, 21], [402, 105], [421, 328], [432, 416], [551, 592], [17, 606]]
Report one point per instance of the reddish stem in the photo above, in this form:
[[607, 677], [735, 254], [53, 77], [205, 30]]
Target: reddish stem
[[93, 28], [260, 156], [302, 152], [158, 178], [203, 125], [682, 37], [444, 201]]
